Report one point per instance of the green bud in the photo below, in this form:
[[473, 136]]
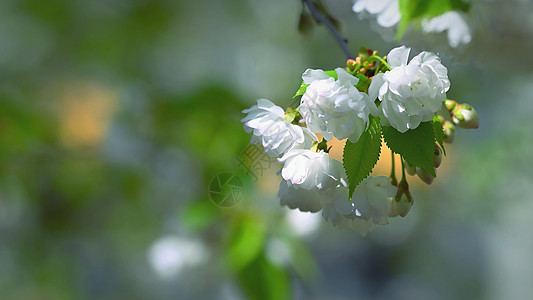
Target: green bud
[[449, 132], [401, 205], [292, 116], [465, 116], [350, 63], [450, 104]]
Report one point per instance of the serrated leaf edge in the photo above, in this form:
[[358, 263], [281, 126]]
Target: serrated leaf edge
[[352, 186]]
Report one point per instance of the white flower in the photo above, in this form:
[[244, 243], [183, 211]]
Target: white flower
[[411, 92], [271, 130], [369, 205], [302, 199], [339, 211], [371, 199], [454, 23], [387, 11], [307, 169], [335, 107]]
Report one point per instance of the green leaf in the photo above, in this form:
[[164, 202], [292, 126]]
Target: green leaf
[[364, 82], [416, 146], [301, 90], [359, 158], [261, 280], [419, 9], [332, 73], [438, 132]]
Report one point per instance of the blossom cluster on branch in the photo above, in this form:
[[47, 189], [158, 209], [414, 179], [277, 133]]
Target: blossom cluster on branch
[[372, 99]]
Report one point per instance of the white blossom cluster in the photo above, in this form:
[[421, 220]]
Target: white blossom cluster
[[412, 92], [406, 95]]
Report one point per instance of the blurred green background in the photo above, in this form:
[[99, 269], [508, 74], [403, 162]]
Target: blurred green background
[[116, 115]]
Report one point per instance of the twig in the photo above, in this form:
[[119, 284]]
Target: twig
[[320, 18]]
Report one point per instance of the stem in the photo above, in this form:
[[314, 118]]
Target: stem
[[403, 168], [320, 18], [392, 176], [381, 60]]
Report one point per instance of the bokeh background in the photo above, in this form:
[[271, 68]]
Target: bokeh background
[[115, 116]]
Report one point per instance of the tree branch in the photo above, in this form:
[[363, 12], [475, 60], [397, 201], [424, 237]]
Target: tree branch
[[320, 18]]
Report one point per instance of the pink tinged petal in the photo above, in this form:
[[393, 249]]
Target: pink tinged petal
[[292, 172]]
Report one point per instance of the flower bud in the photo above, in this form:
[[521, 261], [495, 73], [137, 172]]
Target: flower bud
[[437, 156], [364, 53], [465, 116], [411, 170], [424, 175], [449, 132], [402, 202], [450, 104], [292, 116], [351, 64]]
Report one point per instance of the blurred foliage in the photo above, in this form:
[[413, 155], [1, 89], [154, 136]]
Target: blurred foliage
[[103, 150], [419, 9]]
